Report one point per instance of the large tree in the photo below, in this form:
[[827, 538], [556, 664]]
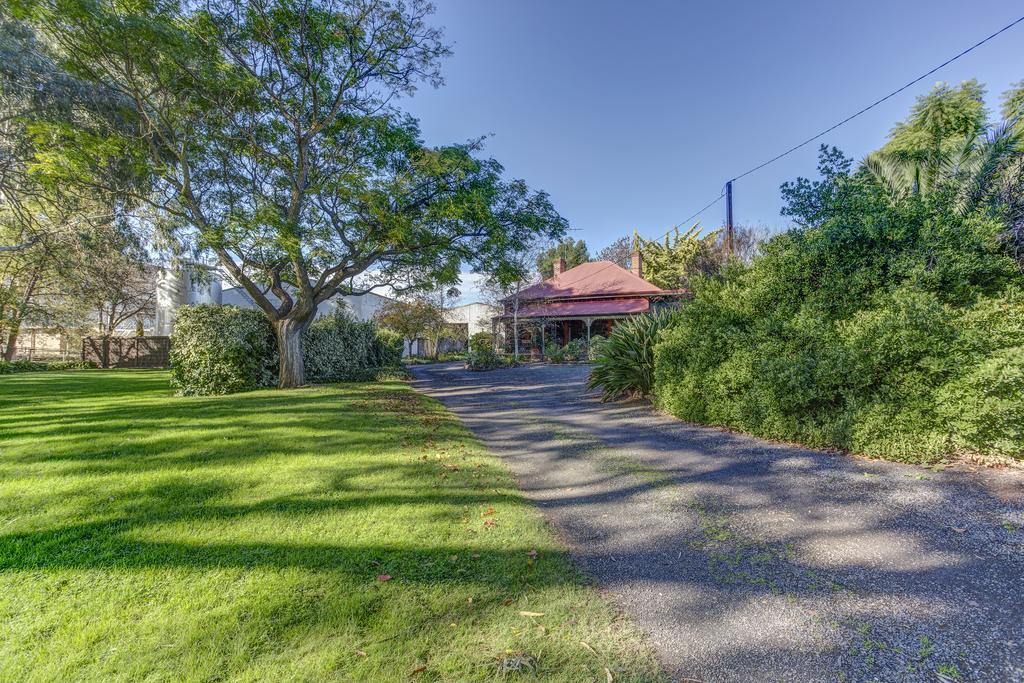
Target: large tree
[[1013, 102], [411, 317], [573, 251], [268, 130], [948, 147], [54, 236], [674, 262], [618, 252]]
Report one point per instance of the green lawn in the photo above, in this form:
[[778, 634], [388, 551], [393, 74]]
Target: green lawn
[[146, 536]]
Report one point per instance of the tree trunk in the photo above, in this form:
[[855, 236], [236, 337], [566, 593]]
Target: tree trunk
[[15, 328], [12, 342], [291, 372]]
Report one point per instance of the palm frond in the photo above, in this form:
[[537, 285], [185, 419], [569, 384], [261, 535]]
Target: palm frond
[[895, 176], [624, 363]]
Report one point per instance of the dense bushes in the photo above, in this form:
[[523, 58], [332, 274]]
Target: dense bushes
[[388, 348], [226, 349], [222, 350], [486, 358], [337, 348], [71, 365], [889, 330], [624, 362], [11, 367], [481, 341]]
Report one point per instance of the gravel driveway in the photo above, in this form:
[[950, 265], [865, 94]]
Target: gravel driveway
[[746, 560]]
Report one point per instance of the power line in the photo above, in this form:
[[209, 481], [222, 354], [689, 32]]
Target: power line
[[832, 128], [690, 218], [879, 101]]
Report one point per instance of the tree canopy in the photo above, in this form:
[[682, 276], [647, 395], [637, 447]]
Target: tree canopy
[[618, 252], [573, 251], [672, 264], [268, 132]]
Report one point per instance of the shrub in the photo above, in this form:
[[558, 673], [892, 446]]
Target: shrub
[[553, 353], [481, 341], [893, 331], [577, 350], [488, 359], [71, 365], [12, 367], [226, 349], [625, 361], [222, 350], [336, 348], [8, 367], [388, 348]]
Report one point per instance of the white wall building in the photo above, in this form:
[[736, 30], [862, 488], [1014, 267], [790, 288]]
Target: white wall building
[[177, 288], [476, 316], [180, 288]]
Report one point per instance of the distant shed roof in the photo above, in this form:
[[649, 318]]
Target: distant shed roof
[[591, 279]]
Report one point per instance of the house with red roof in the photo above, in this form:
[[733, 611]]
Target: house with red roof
[[581, 302]]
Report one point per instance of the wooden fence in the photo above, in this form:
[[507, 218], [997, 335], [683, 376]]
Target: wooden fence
[[127, 352]]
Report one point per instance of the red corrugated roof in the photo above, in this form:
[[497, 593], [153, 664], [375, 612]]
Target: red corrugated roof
[[595, 278], [594, 307]]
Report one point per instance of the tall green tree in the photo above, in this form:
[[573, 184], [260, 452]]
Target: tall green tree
[[682, 256], [269, 134], [940, 125], [52, 234], [1013, 102], [948, 147], [573, 251]]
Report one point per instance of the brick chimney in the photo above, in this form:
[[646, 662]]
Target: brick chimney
[[636, 263], [559, 266]]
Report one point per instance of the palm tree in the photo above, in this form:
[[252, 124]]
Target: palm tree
[[941, 147]]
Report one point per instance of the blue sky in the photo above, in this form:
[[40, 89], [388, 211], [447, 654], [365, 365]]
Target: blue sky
[[633, 115]]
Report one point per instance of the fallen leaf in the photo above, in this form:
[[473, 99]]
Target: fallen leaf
[[507, 601], [489, 511], [489, 522], [587, 645], [418, 670], [608, 672], [530, 614], [958, 529], [533, 554], [361, 653], [383, 577]]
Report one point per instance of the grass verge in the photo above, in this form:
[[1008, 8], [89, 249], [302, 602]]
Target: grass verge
[[348, 532]]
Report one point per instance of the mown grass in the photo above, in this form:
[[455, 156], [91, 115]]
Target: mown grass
[[147, 536]]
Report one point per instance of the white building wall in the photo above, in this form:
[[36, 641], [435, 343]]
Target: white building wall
[[477, 316], [177, 288]]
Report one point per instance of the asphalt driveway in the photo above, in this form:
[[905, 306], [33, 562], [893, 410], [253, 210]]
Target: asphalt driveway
[[745, 560]]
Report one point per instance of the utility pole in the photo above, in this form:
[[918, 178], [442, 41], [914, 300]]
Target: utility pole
[[728, 218]]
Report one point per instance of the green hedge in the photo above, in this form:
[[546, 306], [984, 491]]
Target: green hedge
[[227, 349], [388, 348], [890, 332], [488, 359], [12, 367], [337, 348], [222, 350]]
